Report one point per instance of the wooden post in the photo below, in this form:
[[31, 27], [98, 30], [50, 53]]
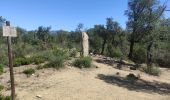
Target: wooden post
[[11, 65]]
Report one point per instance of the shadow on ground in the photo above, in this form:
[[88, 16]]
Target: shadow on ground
[[112, 61], [136, 85]]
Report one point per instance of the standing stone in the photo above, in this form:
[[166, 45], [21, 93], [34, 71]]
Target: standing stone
[[85, 44]]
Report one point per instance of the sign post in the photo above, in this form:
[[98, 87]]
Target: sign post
[[10, 32]]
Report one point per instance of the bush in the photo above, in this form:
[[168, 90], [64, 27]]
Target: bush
[[56, 62], [1, 69], [29, 71], [83, 62], [152, 70], [22, 61]]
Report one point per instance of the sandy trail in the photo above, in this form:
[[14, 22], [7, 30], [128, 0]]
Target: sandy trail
[[75, 84]]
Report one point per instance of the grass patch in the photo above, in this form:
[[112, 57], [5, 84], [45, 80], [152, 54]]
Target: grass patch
[[152, 70], [29, 71], [83, 62]]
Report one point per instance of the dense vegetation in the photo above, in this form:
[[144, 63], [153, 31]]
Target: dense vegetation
[[145, 40]]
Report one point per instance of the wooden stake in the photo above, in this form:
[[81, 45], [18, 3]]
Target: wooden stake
[[11, 65]]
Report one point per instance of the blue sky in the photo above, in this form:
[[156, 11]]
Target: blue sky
[[64, 14]]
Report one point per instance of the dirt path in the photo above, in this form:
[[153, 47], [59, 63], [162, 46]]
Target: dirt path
[[89, 84]]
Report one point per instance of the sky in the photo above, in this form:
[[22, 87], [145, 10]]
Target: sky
[[64, 14]]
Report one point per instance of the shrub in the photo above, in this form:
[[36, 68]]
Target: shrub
[[152, 70], [1, 69], [55, 62], [29, 71], [83, 62], [22, 61]]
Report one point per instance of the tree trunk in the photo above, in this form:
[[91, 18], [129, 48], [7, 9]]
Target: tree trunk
[[131, 49], [103, 46], [149, 55]]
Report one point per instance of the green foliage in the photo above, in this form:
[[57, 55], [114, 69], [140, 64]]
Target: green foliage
[[55, 62], [57, 58], [113, 52], [61, 53], [95, 41], [139, 55], [163, 62], [37, 59], [83, 62], [3, 54], [1, 87], [43, 33], [1, 69], [152, 70], [21, 61], [29, 71], [162, 56], [21, 50], [5, 97], [39, 67], [62, 37], [73, 53]]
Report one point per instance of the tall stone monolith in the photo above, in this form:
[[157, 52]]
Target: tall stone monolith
[[85, 44]]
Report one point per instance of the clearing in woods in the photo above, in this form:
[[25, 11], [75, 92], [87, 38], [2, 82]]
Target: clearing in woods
[[100, 83]]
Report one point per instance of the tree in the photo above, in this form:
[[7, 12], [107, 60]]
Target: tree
[[95, 41], [138, 12], [43, 33], [2, 22], [62, 37], [79, 30], [135, 15], [153, 13], [101, 31], [20, 34]]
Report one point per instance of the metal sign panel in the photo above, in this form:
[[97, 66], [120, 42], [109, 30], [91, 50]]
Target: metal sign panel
[[9, 31]]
